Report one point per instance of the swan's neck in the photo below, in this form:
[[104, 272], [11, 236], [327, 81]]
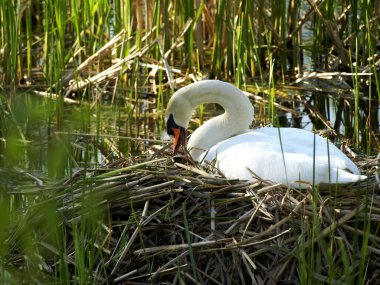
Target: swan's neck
[[235, 120]]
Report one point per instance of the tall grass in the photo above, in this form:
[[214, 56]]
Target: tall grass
[[260, 42], [237, 32], [10, 40]]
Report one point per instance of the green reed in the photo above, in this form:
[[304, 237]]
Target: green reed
[[355, 79], [10, 38], [249, 40], [295, 41], [29, 35], [189, 13], [77, 29], [217, 55], [240, 61]]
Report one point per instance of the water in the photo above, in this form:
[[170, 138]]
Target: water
[[39, 137]]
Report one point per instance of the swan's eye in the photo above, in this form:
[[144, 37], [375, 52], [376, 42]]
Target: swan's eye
[[170, 125]]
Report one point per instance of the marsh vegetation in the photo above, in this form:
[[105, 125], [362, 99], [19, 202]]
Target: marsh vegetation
[[89, 193]]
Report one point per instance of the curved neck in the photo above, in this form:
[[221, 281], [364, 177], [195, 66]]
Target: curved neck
[[236, 119]]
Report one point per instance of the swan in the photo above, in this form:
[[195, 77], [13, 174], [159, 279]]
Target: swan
[[290, 156]]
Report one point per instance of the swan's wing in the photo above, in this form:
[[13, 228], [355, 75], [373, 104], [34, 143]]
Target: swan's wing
[[301, 141], [263, 155]]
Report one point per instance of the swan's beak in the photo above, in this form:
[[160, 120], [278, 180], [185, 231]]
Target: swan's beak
[[179, 138], [177, 131]]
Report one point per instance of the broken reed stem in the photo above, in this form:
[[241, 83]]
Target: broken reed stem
[[132, 238], [176, 247]]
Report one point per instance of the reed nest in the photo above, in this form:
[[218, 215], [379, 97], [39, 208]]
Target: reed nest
[[166, 222]]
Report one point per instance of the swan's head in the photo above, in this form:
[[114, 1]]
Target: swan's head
[[178, 132], [236, 119], [177, 117]]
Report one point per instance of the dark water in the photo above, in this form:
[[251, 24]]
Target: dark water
[[47, 138], [43, 136]]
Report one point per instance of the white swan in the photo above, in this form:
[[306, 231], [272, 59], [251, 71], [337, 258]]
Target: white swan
[[282, 155]]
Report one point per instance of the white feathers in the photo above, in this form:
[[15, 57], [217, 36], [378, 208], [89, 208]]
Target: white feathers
[[282, 155], [293, 158]]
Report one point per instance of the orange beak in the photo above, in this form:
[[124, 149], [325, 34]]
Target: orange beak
[[179, 138], [178, 132]]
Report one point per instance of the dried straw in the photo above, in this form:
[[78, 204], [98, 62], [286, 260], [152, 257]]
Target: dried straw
[[166, 222]]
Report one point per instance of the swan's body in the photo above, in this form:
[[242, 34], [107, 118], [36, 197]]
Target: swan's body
[[282, 155]]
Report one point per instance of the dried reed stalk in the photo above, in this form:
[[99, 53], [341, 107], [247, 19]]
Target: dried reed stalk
[[232, 232]]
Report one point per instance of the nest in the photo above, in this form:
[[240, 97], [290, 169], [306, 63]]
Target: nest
[[164, 222]]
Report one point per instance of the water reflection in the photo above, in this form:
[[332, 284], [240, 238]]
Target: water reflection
[[331, 111]]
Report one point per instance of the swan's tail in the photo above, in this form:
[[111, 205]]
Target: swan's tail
[[342, 176]]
